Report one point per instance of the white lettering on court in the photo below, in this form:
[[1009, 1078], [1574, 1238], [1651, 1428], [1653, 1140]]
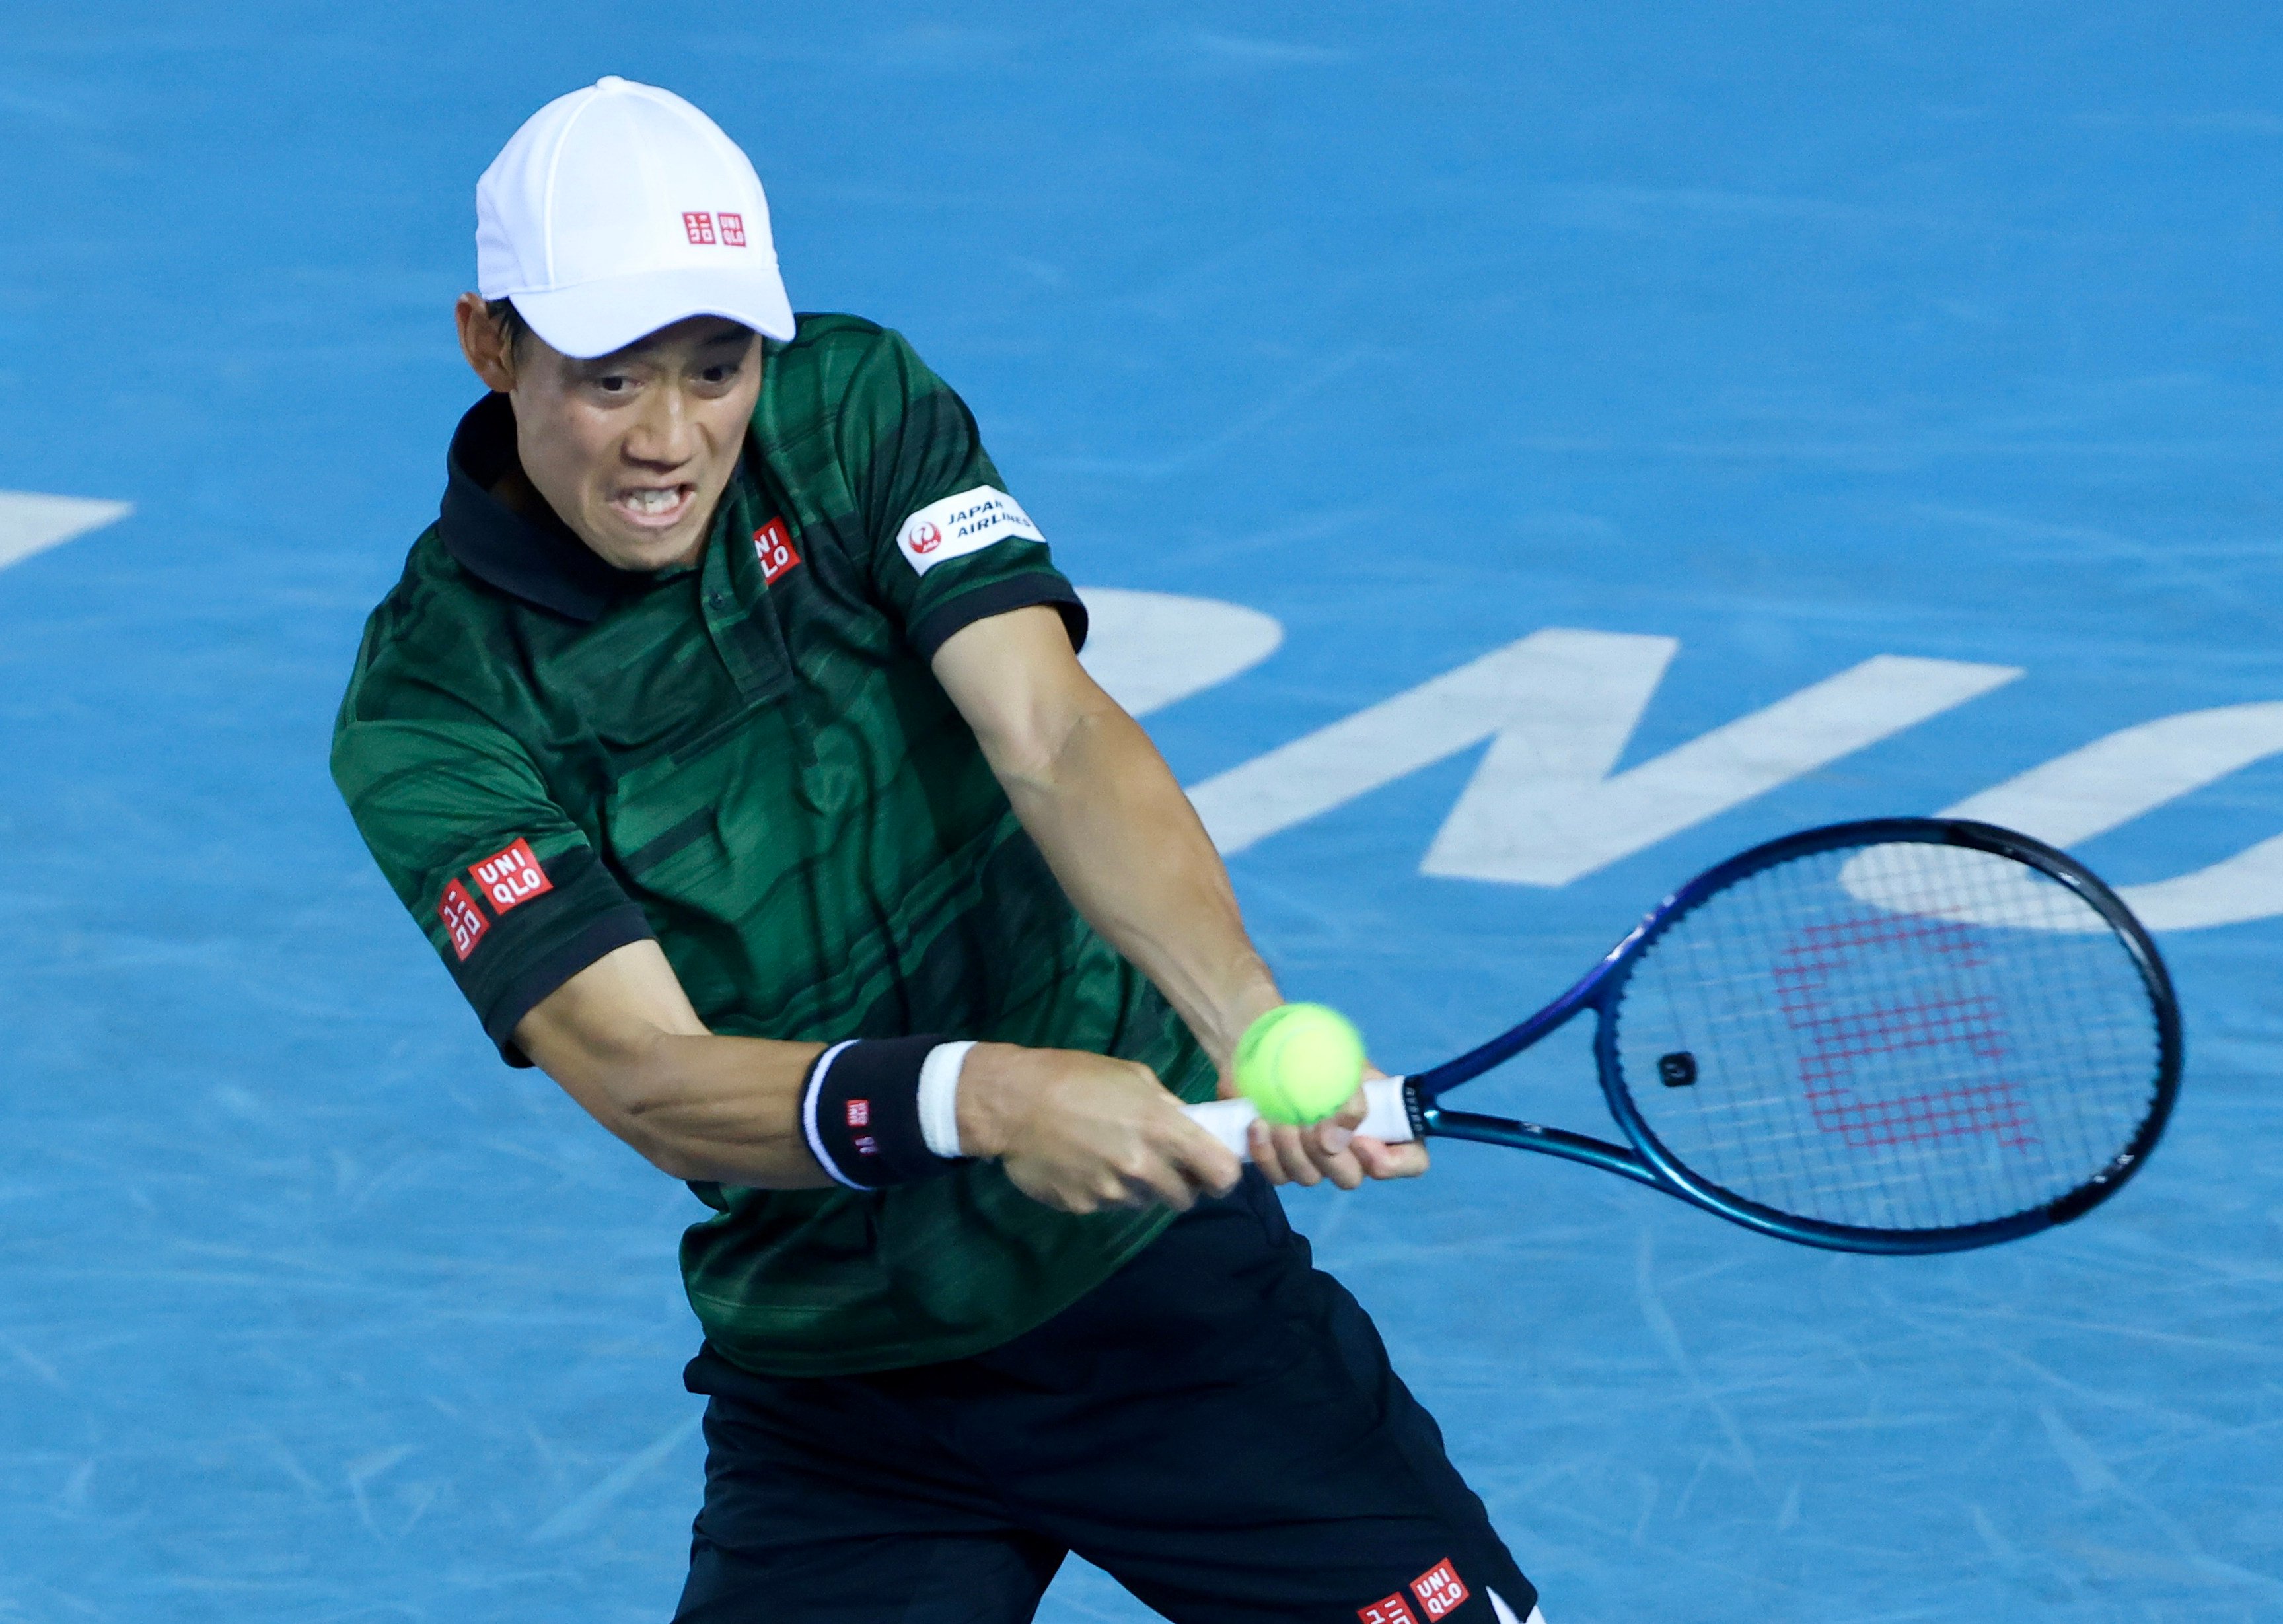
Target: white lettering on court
[[1150, 649], [32, 523], [1545, 808], [1560, 706], [2111, 782]]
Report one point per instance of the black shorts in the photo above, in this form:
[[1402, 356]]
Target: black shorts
[[1216, 1426]]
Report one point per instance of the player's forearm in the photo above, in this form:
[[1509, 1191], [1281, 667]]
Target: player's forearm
[[1080, 1131], [694, 1106], [722, 1109], [1129, 850], [622, 1040]]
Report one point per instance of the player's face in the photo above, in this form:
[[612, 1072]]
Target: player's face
[[634, 449]]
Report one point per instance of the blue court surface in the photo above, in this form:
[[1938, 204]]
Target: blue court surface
[[1927, 352]]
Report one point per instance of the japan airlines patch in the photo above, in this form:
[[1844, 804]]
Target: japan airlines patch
[[959, 524]]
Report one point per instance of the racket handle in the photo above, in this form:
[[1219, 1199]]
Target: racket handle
[[1388, 1119]]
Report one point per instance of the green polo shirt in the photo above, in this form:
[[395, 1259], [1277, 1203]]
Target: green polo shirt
[[750, 761]]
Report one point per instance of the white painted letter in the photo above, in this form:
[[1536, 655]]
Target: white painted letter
[[1542, 809], [1150, 648], [1531, 818], [2112, 781], [30, 524], [1585, 691]]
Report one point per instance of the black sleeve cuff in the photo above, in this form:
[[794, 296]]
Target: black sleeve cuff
[[935, 628], [532, 982]]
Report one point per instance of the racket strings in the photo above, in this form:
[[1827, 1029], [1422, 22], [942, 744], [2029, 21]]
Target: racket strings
[[1895, 1037]]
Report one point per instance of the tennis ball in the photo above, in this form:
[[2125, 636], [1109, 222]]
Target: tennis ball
[[1299, 1063]]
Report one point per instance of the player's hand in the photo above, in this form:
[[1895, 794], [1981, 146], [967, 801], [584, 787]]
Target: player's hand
[[1332, 1149], [1083, 1132]]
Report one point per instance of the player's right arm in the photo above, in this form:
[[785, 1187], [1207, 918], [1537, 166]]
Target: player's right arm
[[562, 968], [622, 1039], [1078, 1132]]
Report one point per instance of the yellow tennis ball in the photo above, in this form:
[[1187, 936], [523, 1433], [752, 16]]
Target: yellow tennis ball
[[1299, 1063]]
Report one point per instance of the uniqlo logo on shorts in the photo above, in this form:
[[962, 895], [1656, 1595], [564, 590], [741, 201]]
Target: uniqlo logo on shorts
[[1438, 1590], [1388, 1610], [462, 918], [733, 230], [699, 224], [773, 545], [860, 1113], [511, 878]]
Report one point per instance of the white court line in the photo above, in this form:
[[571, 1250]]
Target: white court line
[[31, 523]]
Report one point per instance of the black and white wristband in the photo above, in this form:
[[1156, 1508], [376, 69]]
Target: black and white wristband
[[882, 1111]]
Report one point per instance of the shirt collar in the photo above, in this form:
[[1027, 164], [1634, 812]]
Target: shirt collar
[[539, 563]]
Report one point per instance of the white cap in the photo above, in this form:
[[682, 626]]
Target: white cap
[[620, 209]]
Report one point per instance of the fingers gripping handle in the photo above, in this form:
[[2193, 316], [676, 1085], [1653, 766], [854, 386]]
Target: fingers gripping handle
[[1388, 1119]]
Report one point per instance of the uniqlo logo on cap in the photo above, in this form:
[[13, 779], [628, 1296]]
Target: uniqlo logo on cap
[[462, 918], [860, 1113], [733, 230], [1438, 1590], [511, 878], [773, 544], [699, 224], [1388, 1610]]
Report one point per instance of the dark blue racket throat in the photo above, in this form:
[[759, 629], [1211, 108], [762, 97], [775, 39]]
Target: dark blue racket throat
[[1907, 1034]]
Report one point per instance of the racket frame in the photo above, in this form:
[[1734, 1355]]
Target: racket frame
[[1647, 1161]]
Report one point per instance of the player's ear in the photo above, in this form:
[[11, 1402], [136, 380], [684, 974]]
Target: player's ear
[[485, 341]]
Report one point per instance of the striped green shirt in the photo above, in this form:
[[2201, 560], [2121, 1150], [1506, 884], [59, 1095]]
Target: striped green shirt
[[750, 760]]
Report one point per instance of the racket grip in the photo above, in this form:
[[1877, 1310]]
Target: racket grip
[[1388, 1119]]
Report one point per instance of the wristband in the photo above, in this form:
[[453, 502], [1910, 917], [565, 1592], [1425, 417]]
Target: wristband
[[939, 1097], [861, 1111]]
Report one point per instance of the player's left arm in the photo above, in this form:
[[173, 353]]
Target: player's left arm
[[1126, 844]]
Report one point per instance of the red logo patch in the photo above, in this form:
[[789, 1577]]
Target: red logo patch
[[860, 1113], [926, 538], [511, 878], [733, 231], [462, 918], [1439, 1590], [699, 224], [772, 543], [1388, 1610]]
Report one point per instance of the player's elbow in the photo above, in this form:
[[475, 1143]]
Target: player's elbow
[[1023, 759], [644, 1120], [670, 1153], [627, 1097], [1049, 754], [673, 1160]]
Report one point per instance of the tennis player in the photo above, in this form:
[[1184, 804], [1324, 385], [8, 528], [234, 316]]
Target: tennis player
[[726, 735]]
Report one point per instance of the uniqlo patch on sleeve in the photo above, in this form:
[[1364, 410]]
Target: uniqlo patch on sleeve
[[1388, 1610], [462, 918], [959, 524], [511, 878], [1439, 1590], [773, 545]]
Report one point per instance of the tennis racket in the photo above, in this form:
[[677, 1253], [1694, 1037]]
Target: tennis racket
[[1904, 1035]]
